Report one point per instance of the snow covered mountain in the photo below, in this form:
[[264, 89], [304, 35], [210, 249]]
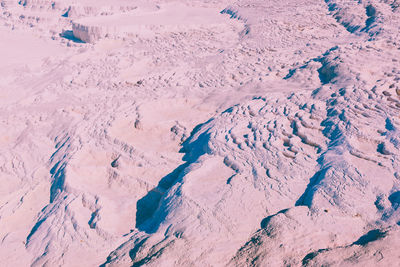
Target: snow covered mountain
[[200, 133]]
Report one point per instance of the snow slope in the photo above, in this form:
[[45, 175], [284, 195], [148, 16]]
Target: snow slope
[[205, 133]]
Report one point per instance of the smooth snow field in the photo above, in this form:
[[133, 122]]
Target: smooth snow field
[[200, 133]]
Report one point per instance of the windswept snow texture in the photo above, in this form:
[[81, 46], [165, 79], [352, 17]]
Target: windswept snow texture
[[200, 133]]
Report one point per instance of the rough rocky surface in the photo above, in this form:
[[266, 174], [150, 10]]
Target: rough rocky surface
[[203, 133]]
